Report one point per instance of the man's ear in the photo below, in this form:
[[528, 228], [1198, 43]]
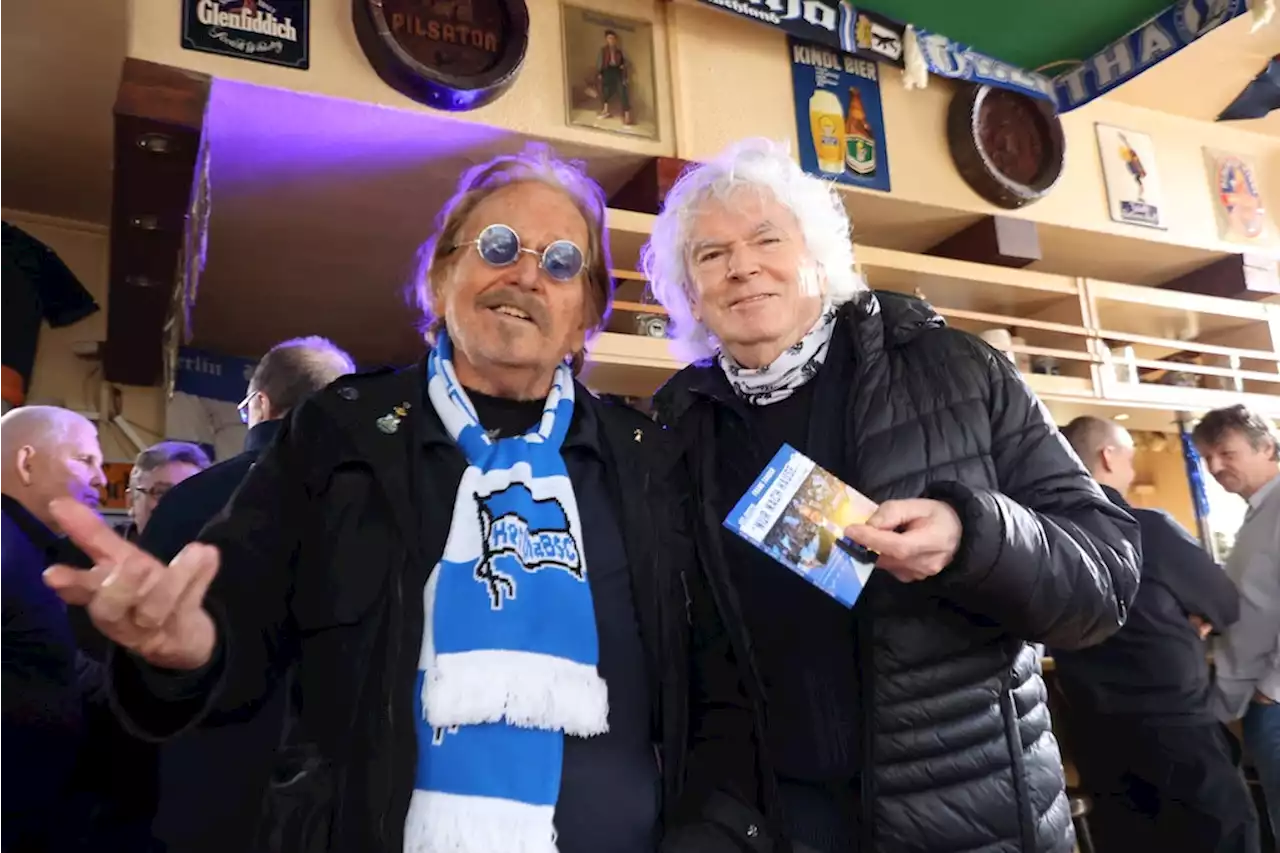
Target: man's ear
[[695, 304], [1105, 456], [23, 462], [268, 408]]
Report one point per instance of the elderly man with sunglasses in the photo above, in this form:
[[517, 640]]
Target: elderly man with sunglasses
[[473, 565]]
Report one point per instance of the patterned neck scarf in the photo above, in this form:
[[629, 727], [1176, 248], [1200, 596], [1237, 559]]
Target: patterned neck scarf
[[796, 366]]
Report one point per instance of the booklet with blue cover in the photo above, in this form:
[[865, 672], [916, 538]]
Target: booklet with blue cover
[[796, 512]]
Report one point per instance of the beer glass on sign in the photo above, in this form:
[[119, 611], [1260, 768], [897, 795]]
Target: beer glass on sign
[[826, 122]]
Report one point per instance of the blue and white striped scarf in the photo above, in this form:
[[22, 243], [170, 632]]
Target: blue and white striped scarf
[[509, 651]]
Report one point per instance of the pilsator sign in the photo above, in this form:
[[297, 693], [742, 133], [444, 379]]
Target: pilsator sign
[[448, 55], [271, 31], [838, 24]]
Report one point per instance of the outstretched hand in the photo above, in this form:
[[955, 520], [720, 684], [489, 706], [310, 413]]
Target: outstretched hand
[[154, 610], [915, 538]]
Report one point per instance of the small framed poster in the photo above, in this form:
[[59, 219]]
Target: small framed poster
[[839, 121], [1237, 196], [1129, 169], [277, 32], [609, 72]]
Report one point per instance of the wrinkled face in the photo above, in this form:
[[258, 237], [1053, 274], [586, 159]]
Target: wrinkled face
[[70, 468], [1237, 465], [148, 488], [515, 317], [756, 286]]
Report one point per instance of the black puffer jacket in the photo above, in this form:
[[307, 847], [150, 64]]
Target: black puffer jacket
[[953, 707]]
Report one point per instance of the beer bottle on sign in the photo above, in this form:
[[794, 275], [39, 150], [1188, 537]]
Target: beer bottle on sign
[[860, 140]]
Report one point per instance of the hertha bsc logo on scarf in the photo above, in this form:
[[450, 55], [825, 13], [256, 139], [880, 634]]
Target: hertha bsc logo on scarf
[[521, 532], [509, 655]]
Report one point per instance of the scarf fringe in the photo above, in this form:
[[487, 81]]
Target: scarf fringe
[[526, 689], [454, 823]]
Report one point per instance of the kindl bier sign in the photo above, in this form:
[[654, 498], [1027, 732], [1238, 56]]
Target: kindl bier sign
[[272, 31]]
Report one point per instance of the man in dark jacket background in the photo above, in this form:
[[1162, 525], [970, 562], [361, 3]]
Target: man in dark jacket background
[[59, 737], [234, 759], [915, 722], [1147, 744]]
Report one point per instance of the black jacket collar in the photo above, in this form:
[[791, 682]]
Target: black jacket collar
[[260, 436], [1115, 497], [870, 323]]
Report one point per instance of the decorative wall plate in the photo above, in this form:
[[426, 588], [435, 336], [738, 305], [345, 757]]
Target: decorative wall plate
[[449, 54], [1008, 147]]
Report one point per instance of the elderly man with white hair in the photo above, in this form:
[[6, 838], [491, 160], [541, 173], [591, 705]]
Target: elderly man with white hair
[[917, 720]]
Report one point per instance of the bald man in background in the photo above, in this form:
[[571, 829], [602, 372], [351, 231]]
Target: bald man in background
[[1147, 745], [46, 453]]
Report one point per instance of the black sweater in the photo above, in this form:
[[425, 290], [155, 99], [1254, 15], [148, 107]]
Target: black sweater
[[806, 642]]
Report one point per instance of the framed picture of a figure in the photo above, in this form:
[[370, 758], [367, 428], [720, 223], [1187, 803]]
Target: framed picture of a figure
[[1134, 193], [609, 72]]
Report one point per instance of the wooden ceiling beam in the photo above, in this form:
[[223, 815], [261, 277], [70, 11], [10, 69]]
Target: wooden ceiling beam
[[1244, 276], [647, 190], [997, 240], [159, 121]]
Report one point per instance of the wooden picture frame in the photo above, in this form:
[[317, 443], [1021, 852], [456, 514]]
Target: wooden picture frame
[[610, 79]]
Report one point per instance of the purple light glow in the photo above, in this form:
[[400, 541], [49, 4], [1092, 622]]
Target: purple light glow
[[267, 136]]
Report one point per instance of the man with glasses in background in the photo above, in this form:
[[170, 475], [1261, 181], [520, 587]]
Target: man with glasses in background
[[155, 472], [234, 759]]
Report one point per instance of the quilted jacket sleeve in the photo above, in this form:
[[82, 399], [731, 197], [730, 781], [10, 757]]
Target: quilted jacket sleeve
[[1047, 555]]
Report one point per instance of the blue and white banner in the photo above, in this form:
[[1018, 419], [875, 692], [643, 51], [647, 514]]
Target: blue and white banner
[[1162, 36], [956, 61], [213, 375], [866, 34], [837, 24], [206, 388]]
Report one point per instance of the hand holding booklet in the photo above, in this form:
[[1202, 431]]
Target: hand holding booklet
[[797, 512]]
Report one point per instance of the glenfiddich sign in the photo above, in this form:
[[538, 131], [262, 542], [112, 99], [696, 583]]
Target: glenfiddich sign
[[274, 31], [448, 54]]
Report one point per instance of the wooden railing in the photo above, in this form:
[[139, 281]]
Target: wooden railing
[[1073, 338]]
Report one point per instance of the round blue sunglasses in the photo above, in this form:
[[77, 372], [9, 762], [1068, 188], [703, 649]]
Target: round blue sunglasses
[[499, 246]]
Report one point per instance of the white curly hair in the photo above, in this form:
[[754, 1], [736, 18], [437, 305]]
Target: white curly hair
[[764, 165]]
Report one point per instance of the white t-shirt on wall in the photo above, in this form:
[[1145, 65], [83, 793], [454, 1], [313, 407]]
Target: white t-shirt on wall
[[205, 421]]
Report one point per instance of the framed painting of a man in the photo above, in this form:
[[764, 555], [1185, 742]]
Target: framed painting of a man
[[609, 72]]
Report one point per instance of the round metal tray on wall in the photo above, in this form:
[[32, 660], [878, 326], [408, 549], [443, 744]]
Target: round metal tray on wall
[[1008, 147], [450, 56]]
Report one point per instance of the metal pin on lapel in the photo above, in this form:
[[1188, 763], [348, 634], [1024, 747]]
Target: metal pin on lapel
[[390, 422], [638, 435]]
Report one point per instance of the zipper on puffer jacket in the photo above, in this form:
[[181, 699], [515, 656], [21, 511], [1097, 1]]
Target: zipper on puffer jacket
[[866, 687], [1018, 763]]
